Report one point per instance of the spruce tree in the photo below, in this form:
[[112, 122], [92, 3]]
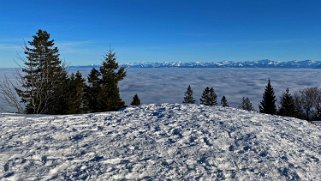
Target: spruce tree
[[59, 103], [246, 104], [267, 105], [224, 102], [92, 91], [135, 101], [44, 76], [208, 97], [204, 98], [213, 97], [287, 107], [76, 101], [189, 99], [109, 96]]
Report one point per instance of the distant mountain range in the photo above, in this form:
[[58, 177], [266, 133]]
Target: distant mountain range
[[224, 64]]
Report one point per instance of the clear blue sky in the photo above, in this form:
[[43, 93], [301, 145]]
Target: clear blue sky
[[165, 30]]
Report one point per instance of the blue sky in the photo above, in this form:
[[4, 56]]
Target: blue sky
[[165, 30]]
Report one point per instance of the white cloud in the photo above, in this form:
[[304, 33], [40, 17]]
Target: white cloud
[[6, 46]]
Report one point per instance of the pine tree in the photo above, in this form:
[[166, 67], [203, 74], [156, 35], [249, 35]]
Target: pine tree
[[189, 99], [224, 102], [109, 96], [246, 104], [208, 97], [135, 101], [44, 76], [92, 91], [287, 105], [267, 105]]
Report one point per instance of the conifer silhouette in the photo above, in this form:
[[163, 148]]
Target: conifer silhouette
[[224, 102], [267, 105], [189, 99], [135, 101], [44, 78], [287, 107], [246, 104], [208, 97]]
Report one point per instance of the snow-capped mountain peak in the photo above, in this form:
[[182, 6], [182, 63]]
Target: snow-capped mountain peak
[[266, 63], [224, 64]]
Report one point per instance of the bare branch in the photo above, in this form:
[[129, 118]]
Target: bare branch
[[8, 95]]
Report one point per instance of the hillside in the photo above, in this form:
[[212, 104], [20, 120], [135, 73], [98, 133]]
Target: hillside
[[159, 141]]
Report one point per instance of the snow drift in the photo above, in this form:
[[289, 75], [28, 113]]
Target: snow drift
[[159, 141]]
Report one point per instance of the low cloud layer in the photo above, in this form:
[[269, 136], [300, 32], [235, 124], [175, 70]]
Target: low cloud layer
[[167, 85]]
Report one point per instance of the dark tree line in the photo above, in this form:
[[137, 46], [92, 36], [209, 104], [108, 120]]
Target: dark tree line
[[46, 87], [304, 104], [209, 97]]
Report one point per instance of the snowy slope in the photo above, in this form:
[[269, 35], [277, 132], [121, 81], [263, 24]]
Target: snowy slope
[[159, 141], [229, 64]]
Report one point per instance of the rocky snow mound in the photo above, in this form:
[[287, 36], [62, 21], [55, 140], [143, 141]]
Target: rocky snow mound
[[150, 142]]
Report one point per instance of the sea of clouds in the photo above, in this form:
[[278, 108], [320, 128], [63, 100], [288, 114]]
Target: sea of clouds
[[167, 85]]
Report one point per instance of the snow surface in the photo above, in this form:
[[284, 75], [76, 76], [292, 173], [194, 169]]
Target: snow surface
[[150, 142]]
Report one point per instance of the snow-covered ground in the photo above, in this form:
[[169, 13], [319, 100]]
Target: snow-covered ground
[[173, 141]]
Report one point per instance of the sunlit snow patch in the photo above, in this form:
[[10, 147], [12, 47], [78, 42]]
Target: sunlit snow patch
[[159, 141]]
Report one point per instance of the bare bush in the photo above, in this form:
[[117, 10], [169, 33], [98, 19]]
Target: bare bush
[[308, 103], [9, 95]]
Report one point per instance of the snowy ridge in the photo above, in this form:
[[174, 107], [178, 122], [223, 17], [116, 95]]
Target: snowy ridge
[[159, 141], [230, 64], [224, 64]]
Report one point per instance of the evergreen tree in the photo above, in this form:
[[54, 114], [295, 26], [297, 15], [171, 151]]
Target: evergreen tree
[[267, 105], [246, 104], [189, 99], [135, 101], [109, 96], [76, 101], [224, 102], [93, 90], [208, 97], [59, 100], [287, 105], [44, 76]]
